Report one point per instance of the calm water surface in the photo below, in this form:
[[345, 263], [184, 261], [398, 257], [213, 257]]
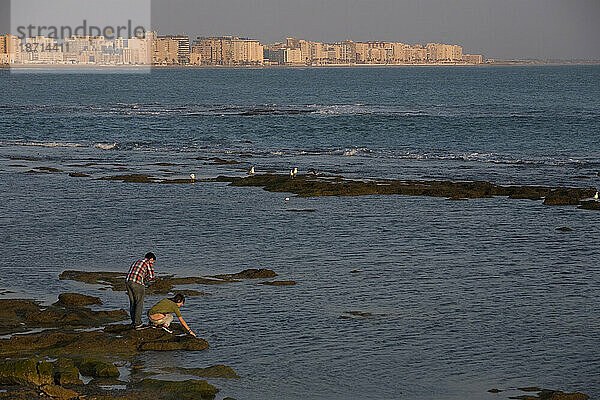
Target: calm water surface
[[466, 296]]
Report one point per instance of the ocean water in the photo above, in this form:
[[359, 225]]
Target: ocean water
[[465, 296]]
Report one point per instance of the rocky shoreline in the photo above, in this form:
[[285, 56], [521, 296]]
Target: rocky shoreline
[[69, 351], [47, 350]]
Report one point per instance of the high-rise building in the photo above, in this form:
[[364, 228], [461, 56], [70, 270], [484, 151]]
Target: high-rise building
[[473, 58], [183, 47], [227, 50], [437, 52]]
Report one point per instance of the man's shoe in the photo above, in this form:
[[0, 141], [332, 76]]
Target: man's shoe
[[166, 329]]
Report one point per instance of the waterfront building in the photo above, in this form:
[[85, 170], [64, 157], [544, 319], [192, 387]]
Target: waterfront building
[[292, 56], [473, 58], [437, 52], [42, 50], [165, 51], [227, 50], [183, 47]]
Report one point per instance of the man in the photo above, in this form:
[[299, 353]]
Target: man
[[160, 315], [140, 272]]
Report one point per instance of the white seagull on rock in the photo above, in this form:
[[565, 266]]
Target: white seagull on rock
[[192, 177], [596, 196], [251, 172]]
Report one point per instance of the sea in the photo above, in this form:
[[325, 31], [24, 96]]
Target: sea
[[396, 297]]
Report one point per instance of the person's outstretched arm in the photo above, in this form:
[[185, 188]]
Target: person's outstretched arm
[[185, 325]]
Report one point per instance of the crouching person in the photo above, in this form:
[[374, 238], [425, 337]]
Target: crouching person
[[160, 314]]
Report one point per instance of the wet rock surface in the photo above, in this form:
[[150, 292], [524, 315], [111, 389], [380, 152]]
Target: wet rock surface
[[116, 281], [249, 274], [77, 300], [545, 394], [190, 389], [279, 283], [24, 315], [311, 186], [215, 371]]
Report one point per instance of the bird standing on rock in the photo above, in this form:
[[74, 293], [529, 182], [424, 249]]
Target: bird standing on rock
[[596, 196], [251, 172], [193, 177]]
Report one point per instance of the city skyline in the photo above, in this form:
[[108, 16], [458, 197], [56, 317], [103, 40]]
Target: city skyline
[[181, 50], [525, 29]]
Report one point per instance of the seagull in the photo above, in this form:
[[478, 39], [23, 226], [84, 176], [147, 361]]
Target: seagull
[[251, 172], [287, 199], [295, 171], [292, 173], [192, 177], [596, 196]]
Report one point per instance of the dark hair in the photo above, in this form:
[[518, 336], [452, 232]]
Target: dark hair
[[150, 256], [179, 298]]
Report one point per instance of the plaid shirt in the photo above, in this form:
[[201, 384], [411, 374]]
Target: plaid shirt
[[140, 271]]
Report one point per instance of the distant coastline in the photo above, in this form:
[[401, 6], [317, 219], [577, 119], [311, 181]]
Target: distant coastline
[[142, 68]]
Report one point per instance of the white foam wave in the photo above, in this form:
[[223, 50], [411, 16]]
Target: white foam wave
[[41, 144], [105, 146]]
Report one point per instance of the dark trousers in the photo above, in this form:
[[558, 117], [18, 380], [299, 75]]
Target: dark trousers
[[135, 291]]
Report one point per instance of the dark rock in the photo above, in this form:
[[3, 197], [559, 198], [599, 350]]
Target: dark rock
[[65, 372], [97, 368], [48, 169], [116, 281], [279, 283], [564, 229], [216, 371], [310, 186], [26, 372], [249, 274], [494, 391], [76, 300], [130, 178], [567, 196], [190, 389], [355, 271], [58, 392], [590, 205], [78, 175], [188, 343]]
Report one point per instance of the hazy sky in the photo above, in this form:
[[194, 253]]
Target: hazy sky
[[497, 28], [501, 29]]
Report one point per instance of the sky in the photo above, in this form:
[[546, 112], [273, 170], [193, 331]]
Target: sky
[[500, 29], [503, 29]]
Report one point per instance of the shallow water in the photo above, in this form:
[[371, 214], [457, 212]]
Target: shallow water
[[466, 296]]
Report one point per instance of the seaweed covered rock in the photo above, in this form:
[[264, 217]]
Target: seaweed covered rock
[[215, 371], [567, 196], [116, 281], [279, 283], [97, 368], [545, 394], [184, 390], [26, 372], [13, 312], [590, 205], [252, 273], [188, 343], [65, 372], [76, 300], [59, 392]]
